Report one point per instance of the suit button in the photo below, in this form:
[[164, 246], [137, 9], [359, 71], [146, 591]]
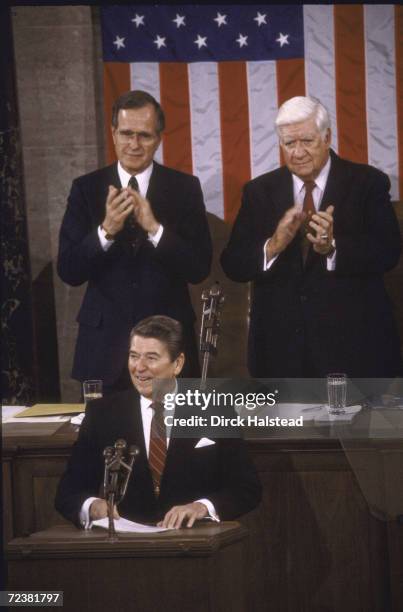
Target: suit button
[[303, 298]]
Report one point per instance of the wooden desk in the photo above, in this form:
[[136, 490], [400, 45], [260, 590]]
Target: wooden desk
[[314, 543], [198, 569]]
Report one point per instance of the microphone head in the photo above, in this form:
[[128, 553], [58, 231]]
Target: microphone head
[[120, 444]]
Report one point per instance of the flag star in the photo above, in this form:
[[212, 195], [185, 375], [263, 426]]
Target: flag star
[[160, 41], [260, 19], [179, 20], [242, 40], [119, 42], [282, 39], [200, 41], [138, 20], [220, 19]]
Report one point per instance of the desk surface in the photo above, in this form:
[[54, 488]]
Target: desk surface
[[370, 427], [315, 533], [67, 541]]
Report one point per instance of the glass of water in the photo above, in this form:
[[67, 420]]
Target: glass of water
[[92, 389], [337, 393]]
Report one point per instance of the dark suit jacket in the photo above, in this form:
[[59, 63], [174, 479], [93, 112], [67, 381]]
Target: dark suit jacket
[[343, 319], [222, 473], [127, 283]]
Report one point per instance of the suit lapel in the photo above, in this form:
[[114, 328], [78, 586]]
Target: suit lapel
[[337, 184], [282, 192], [160, 197], [131, 424], [283, 197], [335, 194], [110, 177]]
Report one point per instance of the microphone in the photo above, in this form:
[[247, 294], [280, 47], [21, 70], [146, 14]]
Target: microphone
[[116, 475]]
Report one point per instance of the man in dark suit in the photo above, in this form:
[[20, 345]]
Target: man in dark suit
[[184, 480], [316, 236], [137, 233]]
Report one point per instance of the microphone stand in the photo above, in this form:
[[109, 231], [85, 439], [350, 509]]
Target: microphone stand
[[116, 477], [212, 301]]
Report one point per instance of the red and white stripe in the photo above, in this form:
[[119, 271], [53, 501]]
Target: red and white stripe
[[220, 115]]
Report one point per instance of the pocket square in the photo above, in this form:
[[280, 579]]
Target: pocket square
[[204, 442]]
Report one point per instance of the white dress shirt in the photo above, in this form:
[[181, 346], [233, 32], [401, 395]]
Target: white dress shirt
[[147, 414], [299, 195], [143, 179]]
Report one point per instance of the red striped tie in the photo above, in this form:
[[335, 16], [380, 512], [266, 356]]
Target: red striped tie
[[158, 445]]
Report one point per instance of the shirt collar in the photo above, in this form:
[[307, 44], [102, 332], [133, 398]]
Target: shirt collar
[[320, 180], [146, 402], [143, 178]]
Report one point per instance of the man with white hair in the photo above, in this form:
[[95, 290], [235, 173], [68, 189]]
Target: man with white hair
[[316, 236]]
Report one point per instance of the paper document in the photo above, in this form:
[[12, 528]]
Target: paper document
[[8, 412], [324, 417], [49, 419], [123, 525], [51, 409], [78, 418]]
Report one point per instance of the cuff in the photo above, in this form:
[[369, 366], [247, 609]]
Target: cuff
[[105, 244], [210, 509], [331, 260], [84, 515], [155, 238], [267, 264]]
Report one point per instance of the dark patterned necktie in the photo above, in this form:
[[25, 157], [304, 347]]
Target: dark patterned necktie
[[158, 445], [133, 183], [135, 231], [309, 209]]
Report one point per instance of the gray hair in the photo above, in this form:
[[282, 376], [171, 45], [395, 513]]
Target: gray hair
[[138, 99], [301, 108]]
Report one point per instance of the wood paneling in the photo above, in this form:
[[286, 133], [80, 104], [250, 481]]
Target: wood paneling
[[315, 543]]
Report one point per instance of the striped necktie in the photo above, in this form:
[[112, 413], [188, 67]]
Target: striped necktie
[[158, 445]]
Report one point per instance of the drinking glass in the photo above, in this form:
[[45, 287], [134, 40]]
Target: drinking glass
[[92, 389], [337, 393]]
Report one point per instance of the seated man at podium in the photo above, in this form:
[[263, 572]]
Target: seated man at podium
[[175, 480]]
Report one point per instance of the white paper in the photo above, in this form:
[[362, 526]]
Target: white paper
[[123, 525], [350, 412], [77, 419], [7, 412], [8, 415]]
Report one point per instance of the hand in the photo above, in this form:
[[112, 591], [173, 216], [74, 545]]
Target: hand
[[143, 213], [177, 514], [286, 230], [119, 205], [322, 223], [99, 509]]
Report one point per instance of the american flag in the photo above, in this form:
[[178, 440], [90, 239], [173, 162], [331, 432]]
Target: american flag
[[221, 72]]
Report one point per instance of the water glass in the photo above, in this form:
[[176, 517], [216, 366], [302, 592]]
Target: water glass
[[92, 389], [337, 393]]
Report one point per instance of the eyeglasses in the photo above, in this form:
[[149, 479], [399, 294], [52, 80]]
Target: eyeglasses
[[306, 144], [142, 137]]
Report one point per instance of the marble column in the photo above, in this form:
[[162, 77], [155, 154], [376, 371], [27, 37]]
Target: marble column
[[59, 80]]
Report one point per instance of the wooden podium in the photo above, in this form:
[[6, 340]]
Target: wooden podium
[[198, 569]]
